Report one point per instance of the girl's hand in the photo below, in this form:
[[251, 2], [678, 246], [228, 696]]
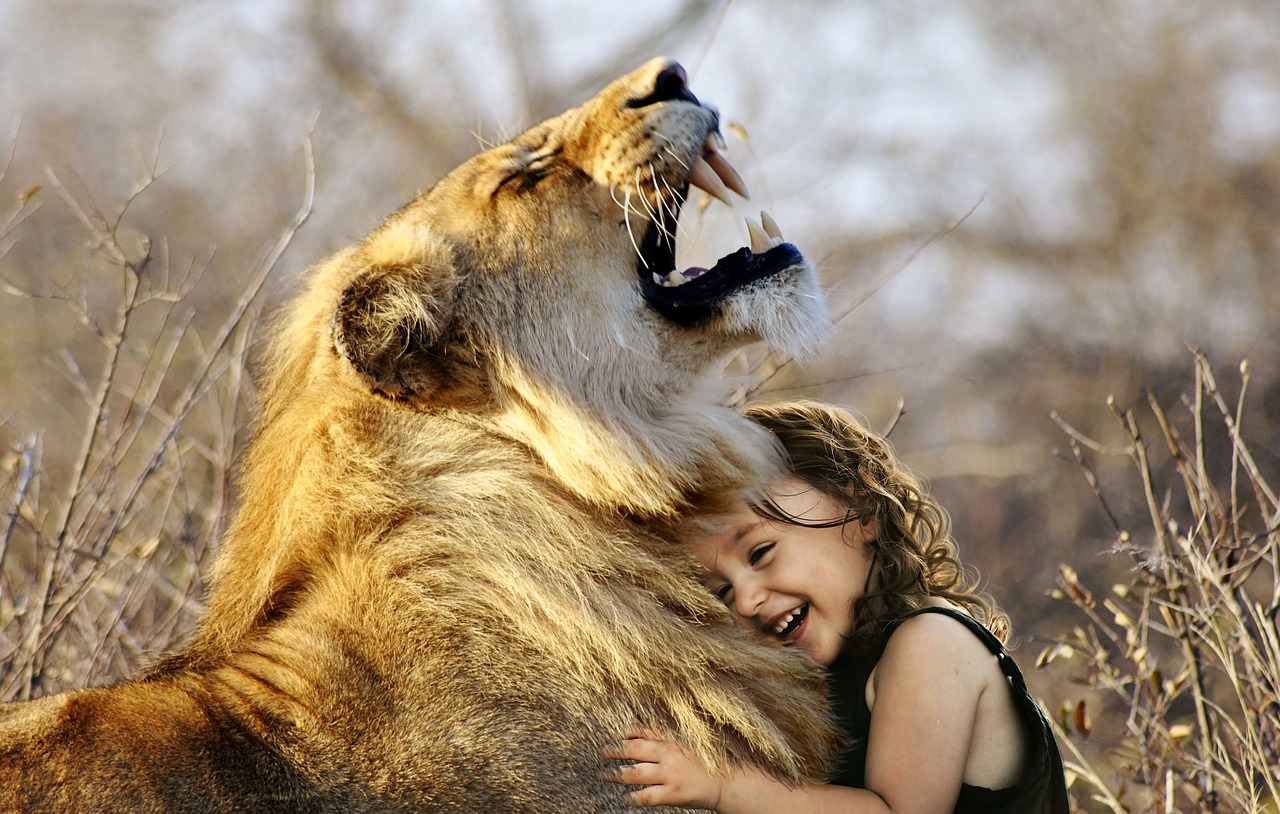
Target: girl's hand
[[671, 776]]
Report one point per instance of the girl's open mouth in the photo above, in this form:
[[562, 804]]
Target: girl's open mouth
[[789, 624]]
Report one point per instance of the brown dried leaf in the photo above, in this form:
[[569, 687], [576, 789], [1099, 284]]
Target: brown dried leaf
[[1080, 717]]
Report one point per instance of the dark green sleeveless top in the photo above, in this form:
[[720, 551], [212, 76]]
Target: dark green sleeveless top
[[1042, 788]]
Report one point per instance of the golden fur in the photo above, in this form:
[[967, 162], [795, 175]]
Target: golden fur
[[456, 569]]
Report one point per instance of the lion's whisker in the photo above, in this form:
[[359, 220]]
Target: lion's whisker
[[670, 202], [625, 206], [675, 156], [613, 193], [669, 215], [638, 182], [626, 209]]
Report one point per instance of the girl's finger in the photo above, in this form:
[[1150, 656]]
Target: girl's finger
[[648, 751], [648, 796], [634, 774], [642, 733]]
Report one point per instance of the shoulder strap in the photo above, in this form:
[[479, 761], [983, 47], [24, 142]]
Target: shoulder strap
[[1007, 664], [977, 628]]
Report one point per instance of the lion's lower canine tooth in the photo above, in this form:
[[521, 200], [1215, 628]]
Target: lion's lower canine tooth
[[760, 242], [721, 166], [770, 226], [704, 178]]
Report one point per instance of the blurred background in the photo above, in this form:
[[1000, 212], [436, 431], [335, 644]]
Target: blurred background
[[1021, 210]]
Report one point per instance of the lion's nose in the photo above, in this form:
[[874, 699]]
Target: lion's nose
[[671, 84]]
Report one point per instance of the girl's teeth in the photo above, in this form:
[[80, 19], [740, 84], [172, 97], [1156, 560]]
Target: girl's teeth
[[795, 617], [784, 621]]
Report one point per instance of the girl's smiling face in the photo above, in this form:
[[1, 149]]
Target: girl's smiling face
[[795, 582]]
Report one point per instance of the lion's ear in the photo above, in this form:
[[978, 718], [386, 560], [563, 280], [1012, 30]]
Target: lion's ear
[[395, 327]]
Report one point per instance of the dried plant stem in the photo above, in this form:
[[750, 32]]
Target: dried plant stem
[[1192, 651], [98, 540]]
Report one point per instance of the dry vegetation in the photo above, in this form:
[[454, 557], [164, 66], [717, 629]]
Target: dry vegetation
[[123, 377], [1186, 649], [113, 503]]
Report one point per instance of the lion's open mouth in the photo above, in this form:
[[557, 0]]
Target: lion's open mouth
[[692, 295]]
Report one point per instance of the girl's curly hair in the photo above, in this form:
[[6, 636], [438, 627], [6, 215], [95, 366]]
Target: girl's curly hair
[[914, 554]]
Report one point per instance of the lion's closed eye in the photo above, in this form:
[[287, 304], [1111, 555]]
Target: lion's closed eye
[[527, 170]]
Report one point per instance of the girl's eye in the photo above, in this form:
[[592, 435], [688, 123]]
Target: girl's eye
[[724, 593], [758, 553]]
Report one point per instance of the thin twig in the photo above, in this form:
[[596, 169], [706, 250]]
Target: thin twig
[[773, 364]]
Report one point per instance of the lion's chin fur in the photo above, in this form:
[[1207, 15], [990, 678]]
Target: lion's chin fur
[[459, 564]]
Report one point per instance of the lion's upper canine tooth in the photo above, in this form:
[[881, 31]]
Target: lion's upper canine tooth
[[704, 178], [760, 242], [722, 168]]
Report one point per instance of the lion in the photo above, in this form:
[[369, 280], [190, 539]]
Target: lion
[[459, 564]]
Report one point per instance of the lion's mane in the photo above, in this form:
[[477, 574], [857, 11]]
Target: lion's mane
[[459, 562]]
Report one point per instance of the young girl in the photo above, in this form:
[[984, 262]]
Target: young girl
[[851, 561]]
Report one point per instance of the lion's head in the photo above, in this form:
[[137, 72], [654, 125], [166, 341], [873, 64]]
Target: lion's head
[[537, 283]]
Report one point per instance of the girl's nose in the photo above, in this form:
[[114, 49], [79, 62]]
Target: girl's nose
[[748, 598]]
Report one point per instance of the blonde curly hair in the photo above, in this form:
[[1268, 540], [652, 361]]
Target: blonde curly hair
[[914, 555]]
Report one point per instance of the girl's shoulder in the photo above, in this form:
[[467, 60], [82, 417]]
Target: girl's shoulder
[[940, 617], [944, 674], [938, 640]]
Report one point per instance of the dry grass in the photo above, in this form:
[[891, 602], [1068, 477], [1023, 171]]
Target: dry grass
[[109, 509], [1187, 650]]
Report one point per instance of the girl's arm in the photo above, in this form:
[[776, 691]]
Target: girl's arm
[[924, 701], [673, 777], [926, 690]]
